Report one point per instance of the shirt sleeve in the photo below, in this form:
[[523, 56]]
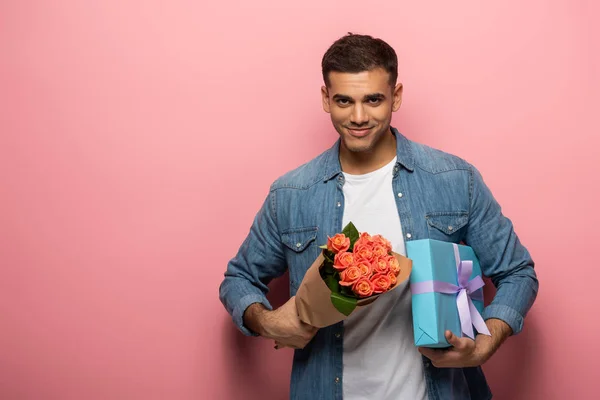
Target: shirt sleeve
[[259, 259], [501, 255]]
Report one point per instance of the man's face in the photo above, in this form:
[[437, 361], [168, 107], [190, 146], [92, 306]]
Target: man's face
[[361, 106]]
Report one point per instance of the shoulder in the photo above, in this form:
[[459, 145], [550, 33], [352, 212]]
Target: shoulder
[[435, 161], [306, 175]]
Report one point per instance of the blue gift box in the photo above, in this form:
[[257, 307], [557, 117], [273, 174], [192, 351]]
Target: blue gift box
[[433, 312]]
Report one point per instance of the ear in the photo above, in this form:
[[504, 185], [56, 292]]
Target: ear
[[325, 98], [397, 97]]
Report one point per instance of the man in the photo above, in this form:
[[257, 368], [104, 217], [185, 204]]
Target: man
[[385, 184]]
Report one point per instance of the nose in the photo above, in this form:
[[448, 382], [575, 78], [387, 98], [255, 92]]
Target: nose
[[359, 115]]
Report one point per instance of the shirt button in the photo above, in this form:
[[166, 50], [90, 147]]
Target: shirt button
[[408, 235], [337, 379], [427, 364], [298, 245], [450, 227], [399, 194], [337, 335], [339, 204]]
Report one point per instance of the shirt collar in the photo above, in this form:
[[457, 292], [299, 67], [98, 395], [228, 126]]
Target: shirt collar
[[403, 152]]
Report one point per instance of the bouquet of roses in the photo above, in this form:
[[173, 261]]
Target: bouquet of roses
[[352, 270]]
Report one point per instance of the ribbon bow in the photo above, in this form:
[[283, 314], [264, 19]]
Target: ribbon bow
[[465, 291]]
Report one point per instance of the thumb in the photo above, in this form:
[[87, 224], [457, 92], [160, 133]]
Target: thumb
[[454, 340]]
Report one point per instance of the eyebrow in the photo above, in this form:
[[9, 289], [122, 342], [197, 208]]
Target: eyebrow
[[371, 96]]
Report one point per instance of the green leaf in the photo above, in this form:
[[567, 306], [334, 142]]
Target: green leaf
[[332, 283], [347, 291], [352, 233], [329, 256], [342, 303], [327, 269]]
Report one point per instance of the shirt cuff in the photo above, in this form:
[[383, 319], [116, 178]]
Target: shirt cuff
[[506, 314], [245, 302]]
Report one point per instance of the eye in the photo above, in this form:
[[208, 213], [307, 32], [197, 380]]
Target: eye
[[374, 101], [342, 102]]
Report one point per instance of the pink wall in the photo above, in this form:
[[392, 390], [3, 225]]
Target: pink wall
[[125, 130]]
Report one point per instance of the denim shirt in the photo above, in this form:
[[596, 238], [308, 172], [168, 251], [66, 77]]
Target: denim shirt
[[438, 195]]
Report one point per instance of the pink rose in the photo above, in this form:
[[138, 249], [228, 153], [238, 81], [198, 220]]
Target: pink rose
[[343, 260], [381, 283], [380, 240], [338, 243], [363, 287], [364, 239], [379, 251], [350, 275], [394, 265], [363, 252], [381, 265], [387, 244], [392, 277], [366, 269]]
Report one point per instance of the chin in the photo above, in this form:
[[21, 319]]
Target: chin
[[357, 148]]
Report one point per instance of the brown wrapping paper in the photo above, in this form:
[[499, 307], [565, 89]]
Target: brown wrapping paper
[[313, 299]]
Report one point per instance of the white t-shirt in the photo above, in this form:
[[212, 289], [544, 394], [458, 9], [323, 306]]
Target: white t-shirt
[[380, 359]]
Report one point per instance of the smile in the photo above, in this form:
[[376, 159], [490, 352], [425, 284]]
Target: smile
[[359, 132]]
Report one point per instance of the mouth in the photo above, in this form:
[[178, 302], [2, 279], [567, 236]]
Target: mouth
[[359, 132]]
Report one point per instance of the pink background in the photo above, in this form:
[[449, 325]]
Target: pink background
[[127, 178]]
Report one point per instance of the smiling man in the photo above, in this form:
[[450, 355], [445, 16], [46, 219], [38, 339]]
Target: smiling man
[[361, 106], [403, 190]]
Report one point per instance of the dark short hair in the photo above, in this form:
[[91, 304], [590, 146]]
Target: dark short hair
[[358, 53]]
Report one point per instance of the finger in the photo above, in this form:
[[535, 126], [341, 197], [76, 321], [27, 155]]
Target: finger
[[432, 354], [447, 357], [443, 358], [459, 344], [279, 345]]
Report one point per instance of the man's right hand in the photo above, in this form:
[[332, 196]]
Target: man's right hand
[[282, 325]]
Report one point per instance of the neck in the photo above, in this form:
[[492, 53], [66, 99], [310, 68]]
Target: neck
[[363, 162]]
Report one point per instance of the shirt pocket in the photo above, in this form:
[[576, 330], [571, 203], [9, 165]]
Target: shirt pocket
[[447, 226], [301, 250]]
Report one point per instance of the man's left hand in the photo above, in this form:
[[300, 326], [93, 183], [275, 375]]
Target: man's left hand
[[466, 352]]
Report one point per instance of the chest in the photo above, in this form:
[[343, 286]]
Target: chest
[[411, 206]]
